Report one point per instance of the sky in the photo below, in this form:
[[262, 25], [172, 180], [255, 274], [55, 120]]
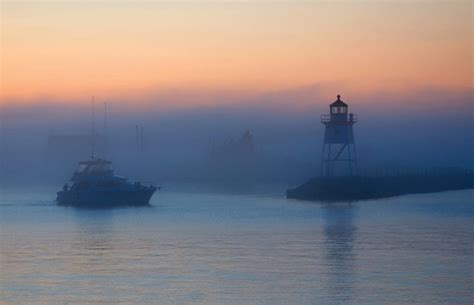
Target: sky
[[67, 51], [193, 73]]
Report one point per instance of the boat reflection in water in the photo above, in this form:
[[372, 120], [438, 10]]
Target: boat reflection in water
[[96, 185]]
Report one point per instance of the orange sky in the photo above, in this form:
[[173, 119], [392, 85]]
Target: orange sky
[[73, 49]]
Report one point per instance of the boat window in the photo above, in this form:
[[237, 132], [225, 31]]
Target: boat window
[[99, 168], [82, 185], [107, 183], [81, 168]]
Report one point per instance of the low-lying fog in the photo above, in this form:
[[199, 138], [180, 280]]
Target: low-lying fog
[[42, 142]]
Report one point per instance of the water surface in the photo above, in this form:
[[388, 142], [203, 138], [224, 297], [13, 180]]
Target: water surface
[[238, 249]]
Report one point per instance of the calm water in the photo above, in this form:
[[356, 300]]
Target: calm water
[[233, 249]]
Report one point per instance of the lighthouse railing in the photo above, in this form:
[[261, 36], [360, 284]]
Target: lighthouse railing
[[326, 118]]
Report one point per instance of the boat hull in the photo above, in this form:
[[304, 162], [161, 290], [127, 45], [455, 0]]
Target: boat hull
[[105, 198]]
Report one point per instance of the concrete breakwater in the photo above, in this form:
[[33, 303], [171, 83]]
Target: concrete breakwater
[[362, 188]]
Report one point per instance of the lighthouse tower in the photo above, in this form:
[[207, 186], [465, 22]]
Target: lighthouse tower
[[339, 154]]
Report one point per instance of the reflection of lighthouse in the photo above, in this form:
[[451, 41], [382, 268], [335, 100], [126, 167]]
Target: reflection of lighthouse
[[339, 154], [339, 230]]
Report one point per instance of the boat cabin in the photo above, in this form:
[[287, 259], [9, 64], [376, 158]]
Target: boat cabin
[[96, 167]]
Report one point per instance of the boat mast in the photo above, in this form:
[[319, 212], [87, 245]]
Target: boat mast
[[93, 127], [3, 139], [105, 130]]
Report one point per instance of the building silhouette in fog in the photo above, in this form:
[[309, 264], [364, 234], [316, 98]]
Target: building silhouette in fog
[[235, 151]]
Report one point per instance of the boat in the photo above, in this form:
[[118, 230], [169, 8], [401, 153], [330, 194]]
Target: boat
[[94, 184]]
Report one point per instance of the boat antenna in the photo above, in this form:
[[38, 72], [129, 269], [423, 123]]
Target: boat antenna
[[137, 140], [142, 145], [3, 136], [93, 127], [105, 129], [105, 116]]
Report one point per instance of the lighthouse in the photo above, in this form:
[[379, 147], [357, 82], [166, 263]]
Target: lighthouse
[[339, 153]]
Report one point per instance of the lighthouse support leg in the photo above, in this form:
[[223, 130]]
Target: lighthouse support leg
[[350, 159]]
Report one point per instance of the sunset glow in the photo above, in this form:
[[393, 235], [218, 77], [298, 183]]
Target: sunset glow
[[71, 50]]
